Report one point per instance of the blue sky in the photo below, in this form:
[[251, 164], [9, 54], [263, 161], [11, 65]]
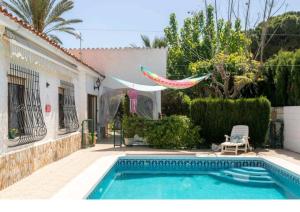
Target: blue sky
[[119, 23]]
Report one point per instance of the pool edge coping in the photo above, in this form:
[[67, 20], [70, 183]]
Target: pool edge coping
[[97, 171], [87, 179]]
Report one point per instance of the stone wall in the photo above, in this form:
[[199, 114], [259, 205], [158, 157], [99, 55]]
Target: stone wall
[[18, 164]]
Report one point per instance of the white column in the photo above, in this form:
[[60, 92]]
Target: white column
[[81, 95], [4, 66], [157, 104]]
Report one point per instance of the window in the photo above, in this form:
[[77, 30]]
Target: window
[[25, 118], [16, 113], [92, 112], [67, 115], [61, 116]]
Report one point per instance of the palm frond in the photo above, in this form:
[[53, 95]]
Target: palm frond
[[50, 6], [68, 30], [55, 39], [159, 43], [146, 41], [44, 15], [60, 8], [20, 8], [61, 23]]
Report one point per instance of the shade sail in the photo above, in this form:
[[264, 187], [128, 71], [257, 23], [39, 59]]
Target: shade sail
[[174, 84], [139, 87]]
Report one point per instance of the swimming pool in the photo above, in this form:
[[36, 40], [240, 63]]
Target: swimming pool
[[148, 177]]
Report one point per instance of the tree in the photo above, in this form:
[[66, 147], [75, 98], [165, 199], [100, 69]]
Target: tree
[[45, 15], [283, 34], [282, 77], [205, 44], [230, 73]]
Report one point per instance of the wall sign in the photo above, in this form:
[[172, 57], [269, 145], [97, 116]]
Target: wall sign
[[48, 108]]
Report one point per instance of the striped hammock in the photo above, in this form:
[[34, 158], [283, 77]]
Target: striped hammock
[[173, 84]]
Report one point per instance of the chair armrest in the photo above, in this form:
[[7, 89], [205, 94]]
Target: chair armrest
[[246, 137], [227, 138]]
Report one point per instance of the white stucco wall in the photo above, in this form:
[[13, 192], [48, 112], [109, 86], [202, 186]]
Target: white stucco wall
[[125, 64], [84, 87], [48, 95], [3, 94], [291, 117]]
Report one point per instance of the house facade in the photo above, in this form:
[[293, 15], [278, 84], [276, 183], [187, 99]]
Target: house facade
[[43, 91], [46, 92]]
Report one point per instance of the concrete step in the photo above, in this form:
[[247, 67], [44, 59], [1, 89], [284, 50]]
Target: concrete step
[[246, 175], [248, 172]]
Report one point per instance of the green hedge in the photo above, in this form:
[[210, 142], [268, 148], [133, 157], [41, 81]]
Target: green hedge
[[282, 79], [133, 125], [174, 132], [216, 117], [175, 103]]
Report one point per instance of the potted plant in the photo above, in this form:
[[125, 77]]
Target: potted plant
[[12, 133], [91, 141]]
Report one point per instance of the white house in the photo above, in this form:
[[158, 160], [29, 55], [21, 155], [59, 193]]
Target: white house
[[46, 92], [125, 63]]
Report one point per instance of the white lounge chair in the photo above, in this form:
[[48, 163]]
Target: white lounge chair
[[238, 140]]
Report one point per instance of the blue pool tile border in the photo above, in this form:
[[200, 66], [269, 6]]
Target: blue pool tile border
[[283, 175], [183, 163], [190, 163]]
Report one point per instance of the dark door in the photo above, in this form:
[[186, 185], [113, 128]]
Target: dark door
[[92, 110]]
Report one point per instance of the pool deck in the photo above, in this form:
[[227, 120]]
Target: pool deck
[[49, 180]]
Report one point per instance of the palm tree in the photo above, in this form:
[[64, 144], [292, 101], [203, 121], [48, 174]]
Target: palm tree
[[45, 15], [156, 43]]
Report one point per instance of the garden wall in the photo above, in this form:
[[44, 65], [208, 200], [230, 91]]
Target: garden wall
[[20, 163], [291, 118]]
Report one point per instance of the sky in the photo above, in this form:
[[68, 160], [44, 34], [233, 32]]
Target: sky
[[119, 23]]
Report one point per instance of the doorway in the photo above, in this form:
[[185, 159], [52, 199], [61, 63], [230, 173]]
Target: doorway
[[92, 111]]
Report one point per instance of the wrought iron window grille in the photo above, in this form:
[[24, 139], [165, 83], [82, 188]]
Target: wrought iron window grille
[[25, 117], [68, 120]]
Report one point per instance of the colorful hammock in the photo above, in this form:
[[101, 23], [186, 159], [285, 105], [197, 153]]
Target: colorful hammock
[[138, 87], [174, 84]]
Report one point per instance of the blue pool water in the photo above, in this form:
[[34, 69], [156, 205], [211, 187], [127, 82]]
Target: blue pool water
[[194, 178]]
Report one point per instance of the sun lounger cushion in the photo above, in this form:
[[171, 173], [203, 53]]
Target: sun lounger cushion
[[237, 138]]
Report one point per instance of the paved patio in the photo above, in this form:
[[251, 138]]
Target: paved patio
[[48, 180]]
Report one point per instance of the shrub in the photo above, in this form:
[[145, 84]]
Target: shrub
[[216, 117], [172, 132], [133, 125], [175, 103], [126, 105]]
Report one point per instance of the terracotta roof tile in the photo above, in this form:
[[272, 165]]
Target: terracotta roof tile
[[27, 26]]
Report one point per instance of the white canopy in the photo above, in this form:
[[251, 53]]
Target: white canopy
[[139, 87]]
